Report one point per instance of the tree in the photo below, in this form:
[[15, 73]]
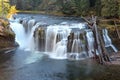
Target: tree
[[68, 8], [72, 7], [92, 3], [4, 7], [119, 8], [81, 6], [109, 8], [12, 11], [98, 7]]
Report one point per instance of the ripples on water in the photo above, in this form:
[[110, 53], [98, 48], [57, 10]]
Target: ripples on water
[[51, 19], [25, 65]]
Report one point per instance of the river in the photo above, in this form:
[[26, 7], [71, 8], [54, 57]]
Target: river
[[34, 65], [25, 65], [50, 19]]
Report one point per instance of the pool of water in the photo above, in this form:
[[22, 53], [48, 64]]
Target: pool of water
[[26, 65], [33, 65]]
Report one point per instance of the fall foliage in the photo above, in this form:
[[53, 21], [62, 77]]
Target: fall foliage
[[12, 11]]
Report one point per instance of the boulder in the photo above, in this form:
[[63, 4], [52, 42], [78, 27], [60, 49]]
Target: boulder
[[40, 37], [7, 36]]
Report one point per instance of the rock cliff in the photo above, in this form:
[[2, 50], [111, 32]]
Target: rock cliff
[[7, 36]]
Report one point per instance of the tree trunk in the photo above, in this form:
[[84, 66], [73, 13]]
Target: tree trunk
[[98, 44], [104, 51], [117, 30], [97, 40]]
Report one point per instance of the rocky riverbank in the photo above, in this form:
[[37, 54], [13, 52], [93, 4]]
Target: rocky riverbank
[[7, 36]]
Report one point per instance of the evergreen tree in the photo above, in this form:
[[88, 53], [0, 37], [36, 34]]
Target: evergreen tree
[[81, 6], [98, 7], [68, 8], [110, 8], [119, 8]]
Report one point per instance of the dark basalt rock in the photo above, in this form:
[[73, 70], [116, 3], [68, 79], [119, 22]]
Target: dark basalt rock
[[40, 37]]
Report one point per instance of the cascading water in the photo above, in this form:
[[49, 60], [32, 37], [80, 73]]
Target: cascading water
[[25, 40], [90, 40], [107, 40], [57, 41], [61, 41], [51, 38], [56, 37], [36, 41], [76, 43], [76, 46], [20, 33], [31, 23], [31, 44]]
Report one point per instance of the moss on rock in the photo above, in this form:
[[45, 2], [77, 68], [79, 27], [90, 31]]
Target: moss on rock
[[7, 36]]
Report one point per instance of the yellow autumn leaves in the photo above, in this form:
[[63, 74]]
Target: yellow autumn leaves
[[12, 11]]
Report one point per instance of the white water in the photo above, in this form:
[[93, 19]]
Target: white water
[[57, 49], [107, 40], [20, 33], [31, 43], [31, 23], [77, 49], [25, 40], [56, 39], [60, 33], [90, 40]]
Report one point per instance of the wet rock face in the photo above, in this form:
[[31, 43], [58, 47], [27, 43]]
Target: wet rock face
[[70, 41], [40, 38], [79, 36], [7, 36]]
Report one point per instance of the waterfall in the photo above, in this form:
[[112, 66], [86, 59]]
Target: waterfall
[[56, 37], [90, 41], [20, 33], [31, 43], [78, 50], [61, 41], [60, 50], [76, 43], [25, 40], [62, 31], [31, 23], [36, 41], [51, 38], [107, 40]]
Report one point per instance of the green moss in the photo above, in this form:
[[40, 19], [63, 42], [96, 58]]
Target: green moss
[[4, 21]]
